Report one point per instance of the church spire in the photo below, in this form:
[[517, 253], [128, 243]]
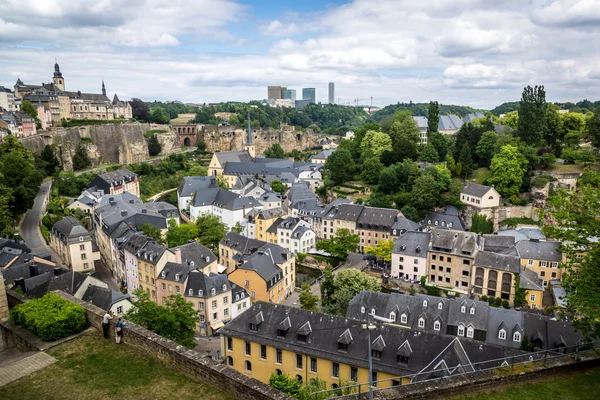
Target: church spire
[[103, 88], [57, 73]]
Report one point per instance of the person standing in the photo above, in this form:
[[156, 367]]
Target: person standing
[[106, 323], [119, 330]]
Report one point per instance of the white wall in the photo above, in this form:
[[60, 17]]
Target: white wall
[[409, 265]]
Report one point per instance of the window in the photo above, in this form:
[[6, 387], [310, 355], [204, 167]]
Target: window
[[448, 259], [440, 305], [226, 312], [86, 265], [164, 286], [201, 306], [401, 259], [448, 270], [176, 289], [263, 351], [301, 338], [120, 310], [335, 370], [554, 265], [229, 343], [342, 347], [466, 262], [543, 263], [214, 315], [502, 334], [376, 354], [470, 332], [529, 262], [465, 273], [421, 323], [362, 310], [279, 356], [82, 247], [463, 309], [248, 366], [214, 304], [225, 300], [372, 311], [403, 318], [393, 316], [461, 330], [374, 378], [433, 256], [83, 256], [402, 359], [516, 337], [299, 361], [472, 311], [313, 364], [248, 348], [532, 297], [425, 303], [202, 318], [436, 325], [354, 374]]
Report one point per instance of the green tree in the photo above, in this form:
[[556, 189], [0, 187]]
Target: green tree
[[511, 120], [425, 192], [429, 154], [592, 127], [308, 300], [222, 182], [433, 117], [210, 231], [480, 224], [196, 170], [29, 109], [278, 187], [275, 151], [573, 217], [466, 158], [486, 148], [158, 116], [411, 213], [181, 234], [383, 250], [375, 144], [440, 142], [154, 147], [371, 170], [287, 385], [237, 228], [176, 320], [554, 131], [348, 283], [340, 166], [340, 244], [52, 164], [152, 232], [532, 115], [80, 158], [508, 168], [520, 293], [403, 149], [327, 285]]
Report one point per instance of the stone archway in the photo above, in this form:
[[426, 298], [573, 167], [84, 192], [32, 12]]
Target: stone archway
[[187, 142]]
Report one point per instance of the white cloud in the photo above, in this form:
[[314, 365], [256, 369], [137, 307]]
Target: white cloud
[[568, 13]]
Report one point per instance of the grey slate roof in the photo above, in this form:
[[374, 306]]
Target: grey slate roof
[[174, 272], [450, 122], [224, 199], [375, 218], [455, 242], [497, 243], [322, 155], [196, 255], [12, 246], [472, 116], [241, 243], [539, 250], [475, 189], [110, 179], [191, 184], [497, 261], [421, 122], [238, 293], [403, 224], [69, 230], [103, 297], [87, 96], [528, 279], [446, 219], [413, 244], [127, 208], [349, 212], [202, 284], [233, 156], [264, 262]]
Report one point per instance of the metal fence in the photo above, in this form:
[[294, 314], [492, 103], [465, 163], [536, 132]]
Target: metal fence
[[517, 364]]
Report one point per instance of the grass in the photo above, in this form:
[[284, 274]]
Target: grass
[[577, 386], [481, 175], [91, 367]]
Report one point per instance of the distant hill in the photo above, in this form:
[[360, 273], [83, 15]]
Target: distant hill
[[506, 108], [421, 109]]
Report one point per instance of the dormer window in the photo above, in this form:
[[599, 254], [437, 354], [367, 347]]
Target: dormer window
[[461, 330], [376, 354], [199, 292], [224, 287], [470, 332], [237, 297], [502, 334], [425, 303], [190, 292], [372, 311], [472, 311], [253, 327], [440, 305], [362, 310], [213, 291], [342, 347], [403, 359], [404, 318], [302, 338], [463, 309], [393, 316], [177, 277], [421, 323], [516, 337], [436, 326]]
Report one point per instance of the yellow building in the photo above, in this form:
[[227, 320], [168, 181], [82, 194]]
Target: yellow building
[[542, 257], [271, 338], [264, 220], [534, 286], [233, 247], [219, 159], [494, 275], [151, 259]]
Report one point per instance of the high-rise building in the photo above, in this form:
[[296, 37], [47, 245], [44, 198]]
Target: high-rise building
[[309, 94], [331, 93], [289, 94], [275, 92]]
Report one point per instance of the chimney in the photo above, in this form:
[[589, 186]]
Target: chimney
[[178, 256], [33, 270], [57, 271], [20, 282], [144, 211], [131, 201], [123, 213]]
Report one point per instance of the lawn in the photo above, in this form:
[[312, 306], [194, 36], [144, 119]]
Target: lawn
[[481, 174], [93, 368], [577, 386]]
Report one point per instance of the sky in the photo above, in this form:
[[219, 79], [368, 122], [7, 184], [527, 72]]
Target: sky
[[466, 52]]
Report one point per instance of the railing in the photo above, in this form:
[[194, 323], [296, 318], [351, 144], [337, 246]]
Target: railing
[[527, 362]]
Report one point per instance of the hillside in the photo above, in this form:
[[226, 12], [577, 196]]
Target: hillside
[[421, 109]]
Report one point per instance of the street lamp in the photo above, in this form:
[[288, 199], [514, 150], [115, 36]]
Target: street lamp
[[370, 327]]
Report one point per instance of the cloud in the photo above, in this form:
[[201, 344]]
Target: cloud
[[575, 14]]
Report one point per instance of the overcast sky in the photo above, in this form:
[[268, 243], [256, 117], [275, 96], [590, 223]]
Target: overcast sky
[[470, 52]]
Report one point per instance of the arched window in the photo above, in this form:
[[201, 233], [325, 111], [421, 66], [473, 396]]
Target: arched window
[[502, 334], [517, 337], [470, 332], [362, 310], [403, 318], [421, 323], [213, 291], [436, 326], [472, 311], [425, 303], [248, 366], [199, 292], [299, 378], [461, 330], [393, 316], [278, 372], [372, 311], [224, 287], [229, 361], [463, 309], [440, 305]]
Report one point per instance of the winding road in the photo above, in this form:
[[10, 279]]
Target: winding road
[[30, 225]]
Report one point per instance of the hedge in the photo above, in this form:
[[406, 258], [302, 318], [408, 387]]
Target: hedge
[[50, 317]]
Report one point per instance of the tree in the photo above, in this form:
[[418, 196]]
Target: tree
[[29, 109], [508, 168], [139, 110], [410, 212], [468, 133], [210, 231], [278, 187], [425, 193], [573, 217], [403, 149], [181, 234], [520, 293], [429, 154], [486, 148], [340, 166], [348, 283], [237, 228], [275, 151], [433, 117], [222, 182], [196, 170], [532, 115], [158, 116], [480, 224], [592, 127], [440, 142], [154, 147], [152, 232], [371, 171], [375, 143], [52, 163], [80, 158], [176, 320], [308, 300], [382, 250], [554, 131], [340, 244], [465, 158], [327, 285]]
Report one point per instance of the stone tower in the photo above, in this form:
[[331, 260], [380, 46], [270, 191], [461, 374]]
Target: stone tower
[[249, 147], [58, 79], [103, 88]]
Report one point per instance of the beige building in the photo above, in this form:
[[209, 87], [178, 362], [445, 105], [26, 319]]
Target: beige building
[[219, 159], [479, 196], [542, 257], [494, 275], [116, 182], [73, 244], [234, 247]]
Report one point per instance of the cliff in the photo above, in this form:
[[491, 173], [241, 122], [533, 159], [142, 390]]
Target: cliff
[[110, 143]]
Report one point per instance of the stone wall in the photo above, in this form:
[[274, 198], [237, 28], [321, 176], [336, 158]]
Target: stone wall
[[12, 339], [498, 214], [110, 143], [3, 302]]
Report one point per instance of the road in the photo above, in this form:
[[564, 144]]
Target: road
[[30, 225]]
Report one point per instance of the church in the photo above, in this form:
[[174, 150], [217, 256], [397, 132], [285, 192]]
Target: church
[[55, 102]]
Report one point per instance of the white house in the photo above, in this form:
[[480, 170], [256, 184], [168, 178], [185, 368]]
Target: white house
[[296, 235], [240, 300], [228, 206], [479, 196], [189, 186], [409, 256], [321, 157]]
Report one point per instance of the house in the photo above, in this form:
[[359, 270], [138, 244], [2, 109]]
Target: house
[[270, 169], [451, 255], [171, 280], [346, 218], [495, 275], [259, 221], [87, 201], [73, 243], [449, 124], [321, 157], [323, 217], [271, 338], [234, 248], [186, 191], [448, 218], [211, 295], [300, 199], [422, 123], [403, 225], [116, 182], [480, 196], [220, 159], [295, 235], [228, 206], [240, 300], [534, 287], [107, 299], [197, 256], [542, 257], [409, 255], [472, 116], [15, 246], [375, 225], [268, 274]]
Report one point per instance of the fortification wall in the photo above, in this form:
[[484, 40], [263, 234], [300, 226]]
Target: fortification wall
[[110, 143], [498, 214]]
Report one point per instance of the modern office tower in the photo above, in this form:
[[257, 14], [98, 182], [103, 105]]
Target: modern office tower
[[309, 94], [275, 92], [290, 94], [331, 93]]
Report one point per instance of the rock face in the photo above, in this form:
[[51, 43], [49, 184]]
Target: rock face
[[109, 143], [231, 138]]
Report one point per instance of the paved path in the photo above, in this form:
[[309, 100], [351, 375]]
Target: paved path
[[161, 194], [30, 225], [17, 367]]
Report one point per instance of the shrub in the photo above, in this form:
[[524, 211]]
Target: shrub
[[541, 181], [505, 304], [484, 298], [497, 302], [50, 317], [513, 222], [300, 257]]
